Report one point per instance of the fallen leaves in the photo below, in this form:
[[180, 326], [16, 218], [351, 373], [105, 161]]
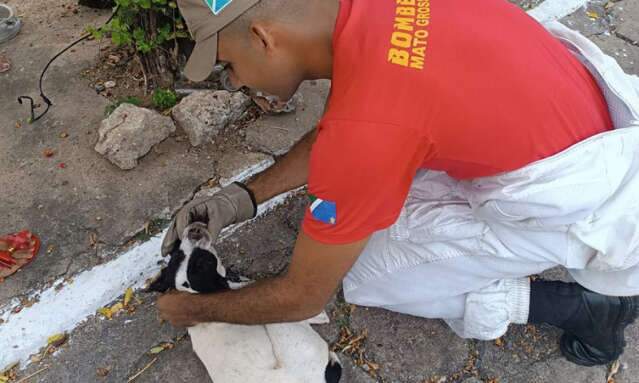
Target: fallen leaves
[[128, 295], [122, 306], [592, 15], [102, 371], [48, 153], [9, 373], [57, 340], [161, 347], [352, 344]]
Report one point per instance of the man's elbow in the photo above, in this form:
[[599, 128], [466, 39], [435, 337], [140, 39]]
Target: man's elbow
[[307, 305]]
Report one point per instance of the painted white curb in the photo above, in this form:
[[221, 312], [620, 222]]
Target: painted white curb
[[63, 306]]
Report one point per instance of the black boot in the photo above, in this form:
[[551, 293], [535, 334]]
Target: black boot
[[593, 324]]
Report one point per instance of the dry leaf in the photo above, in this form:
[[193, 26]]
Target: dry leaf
[[116, 308], [128, 295], [4, 379], [48, 153], [93, 239], [102, 372], [57, 340], [156, 350], [593, 15], [106, 312]]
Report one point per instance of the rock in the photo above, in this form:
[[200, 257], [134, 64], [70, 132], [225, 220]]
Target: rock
[[203, 114], [130, 132], [99, 88], [110, 84]]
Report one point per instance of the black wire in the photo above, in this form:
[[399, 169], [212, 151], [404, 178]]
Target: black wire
[[47, 101]]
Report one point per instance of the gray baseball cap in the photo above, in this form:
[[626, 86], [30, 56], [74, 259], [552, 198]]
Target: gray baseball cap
[[205, 18]]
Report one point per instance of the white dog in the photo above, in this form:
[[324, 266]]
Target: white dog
[[278, 353]]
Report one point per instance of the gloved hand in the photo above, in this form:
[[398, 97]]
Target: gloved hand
[[233, 204]]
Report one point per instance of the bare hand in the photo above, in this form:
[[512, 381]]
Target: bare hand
[[178, 308]]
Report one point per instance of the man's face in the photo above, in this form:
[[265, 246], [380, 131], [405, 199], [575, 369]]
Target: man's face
[[270, 69]]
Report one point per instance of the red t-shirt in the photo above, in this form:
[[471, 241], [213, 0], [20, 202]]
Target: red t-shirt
[[473, 88]]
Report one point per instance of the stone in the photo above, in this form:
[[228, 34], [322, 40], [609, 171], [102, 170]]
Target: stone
[[130, 132], [204, 113], [409, 349], [277, 134], [110, 84]]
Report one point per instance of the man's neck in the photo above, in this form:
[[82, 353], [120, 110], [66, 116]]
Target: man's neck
[[318, 51]]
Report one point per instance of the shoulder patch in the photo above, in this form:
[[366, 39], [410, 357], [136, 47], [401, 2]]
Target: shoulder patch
[[323, 211]]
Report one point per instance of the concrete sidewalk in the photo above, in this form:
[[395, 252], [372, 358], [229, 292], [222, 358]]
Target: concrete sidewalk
[[88, 212]]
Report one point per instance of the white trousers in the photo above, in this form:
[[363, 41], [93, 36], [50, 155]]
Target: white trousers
[[463, 250]]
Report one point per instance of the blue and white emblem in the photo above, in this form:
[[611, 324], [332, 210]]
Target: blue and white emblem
[[217, 5], [323, 211]]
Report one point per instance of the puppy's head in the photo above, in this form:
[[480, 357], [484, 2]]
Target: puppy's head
[[193, 265]]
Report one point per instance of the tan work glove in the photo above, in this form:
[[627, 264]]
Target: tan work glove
[[233, 204]]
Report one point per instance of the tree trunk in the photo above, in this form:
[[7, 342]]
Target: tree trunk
[[159, 64]]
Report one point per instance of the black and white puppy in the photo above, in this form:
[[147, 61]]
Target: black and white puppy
[[282, 353], [195, 267]]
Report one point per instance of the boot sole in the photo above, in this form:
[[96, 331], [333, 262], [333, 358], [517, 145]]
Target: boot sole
[[628, 314]]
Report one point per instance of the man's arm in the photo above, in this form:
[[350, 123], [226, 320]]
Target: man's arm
[[312, 277], [288, 173]]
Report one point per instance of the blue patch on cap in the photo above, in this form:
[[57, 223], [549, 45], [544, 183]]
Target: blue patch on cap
[[217, 5]]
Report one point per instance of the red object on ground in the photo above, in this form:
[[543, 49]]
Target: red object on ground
[[16, 251]]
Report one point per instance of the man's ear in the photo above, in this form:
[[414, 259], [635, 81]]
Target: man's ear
[[262, 36]]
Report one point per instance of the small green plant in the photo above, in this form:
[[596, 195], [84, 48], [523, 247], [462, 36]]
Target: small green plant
[[164, 99], [143, 24], [126, 100]]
